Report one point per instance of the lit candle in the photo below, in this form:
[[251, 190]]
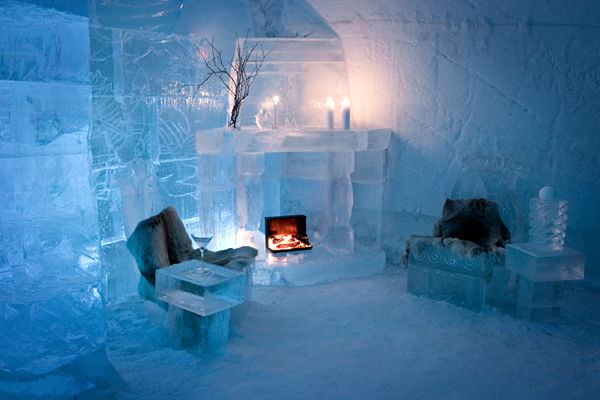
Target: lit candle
[[330, 106], [345, 114], [276, 99]]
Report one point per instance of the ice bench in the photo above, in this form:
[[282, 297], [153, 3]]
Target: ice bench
[[438, 269]]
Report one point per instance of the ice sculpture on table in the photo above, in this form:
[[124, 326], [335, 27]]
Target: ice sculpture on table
[[544, 263], [548, 220]]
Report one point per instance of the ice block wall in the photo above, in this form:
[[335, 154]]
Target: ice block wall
[[511, 79], [143, 141], [51, 309]]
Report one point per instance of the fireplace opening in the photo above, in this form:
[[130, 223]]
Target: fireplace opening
[[287, 233]]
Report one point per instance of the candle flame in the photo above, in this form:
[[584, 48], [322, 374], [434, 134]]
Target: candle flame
[[276, 99]]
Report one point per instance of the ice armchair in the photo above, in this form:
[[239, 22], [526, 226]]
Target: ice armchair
[[161, 243], [470, 273], [458, 271]]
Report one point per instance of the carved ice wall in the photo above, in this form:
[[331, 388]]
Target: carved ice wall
[[142, 112]]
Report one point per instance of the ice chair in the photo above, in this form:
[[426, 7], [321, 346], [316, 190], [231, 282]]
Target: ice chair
[[447, 268], [142, 197]]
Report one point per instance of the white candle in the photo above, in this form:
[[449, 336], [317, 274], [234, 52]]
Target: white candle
[[330, 106], [275, 99], [346, 114]]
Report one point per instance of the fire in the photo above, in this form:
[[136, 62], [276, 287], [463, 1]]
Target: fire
[[286, 242]]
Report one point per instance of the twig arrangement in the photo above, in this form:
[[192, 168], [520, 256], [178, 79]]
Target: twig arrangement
[[236, 75]]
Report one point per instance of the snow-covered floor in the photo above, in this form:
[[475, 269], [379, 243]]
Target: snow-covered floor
[[365, 339]]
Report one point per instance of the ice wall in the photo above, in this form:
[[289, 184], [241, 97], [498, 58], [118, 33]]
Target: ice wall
[[143, 116], [51, 309], [510, 79]]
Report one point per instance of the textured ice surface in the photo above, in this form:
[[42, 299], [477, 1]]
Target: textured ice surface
[[539, 301], [459, 289], [188, 330], [216, 289], [548, 222], [541, 265], [303, 73], [252, 140], [42, 45], [443, 273], [159, 16], [51, 303], [316, 266]]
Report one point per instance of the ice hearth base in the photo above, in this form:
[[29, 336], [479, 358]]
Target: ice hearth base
[[316, 266]]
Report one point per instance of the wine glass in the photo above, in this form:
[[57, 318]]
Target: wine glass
[[202, 242]]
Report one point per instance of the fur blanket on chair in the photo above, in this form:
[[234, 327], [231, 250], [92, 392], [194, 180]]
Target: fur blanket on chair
[[468, 226], [161, 241]]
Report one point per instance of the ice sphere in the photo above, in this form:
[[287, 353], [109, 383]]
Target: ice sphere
[[210, 333], [539, 301], [548, 193], [540, 265], [217, 289], [548, 221]]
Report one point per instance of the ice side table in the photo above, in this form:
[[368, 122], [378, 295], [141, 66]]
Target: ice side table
[[541, 275], [199, 304]]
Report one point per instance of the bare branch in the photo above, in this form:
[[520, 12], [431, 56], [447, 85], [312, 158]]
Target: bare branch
[[234, 75]]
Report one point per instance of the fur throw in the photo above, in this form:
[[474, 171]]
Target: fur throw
[[468, 227], [161, 241], [474, 220]]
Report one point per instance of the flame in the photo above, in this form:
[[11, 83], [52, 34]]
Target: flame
[[285, 242]]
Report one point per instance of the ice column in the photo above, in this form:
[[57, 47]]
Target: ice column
[[218, 193], [340, 235], [250, 201], [367, 185]]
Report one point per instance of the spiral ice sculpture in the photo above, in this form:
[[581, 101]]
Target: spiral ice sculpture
[[548, 220]]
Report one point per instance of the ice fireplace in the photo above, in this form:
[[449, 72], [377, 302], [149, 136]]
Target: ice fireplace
[[287, 233]]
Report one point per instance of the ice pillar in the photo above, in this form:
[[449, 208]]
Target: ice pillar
[[340, 235], [250, 201]]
